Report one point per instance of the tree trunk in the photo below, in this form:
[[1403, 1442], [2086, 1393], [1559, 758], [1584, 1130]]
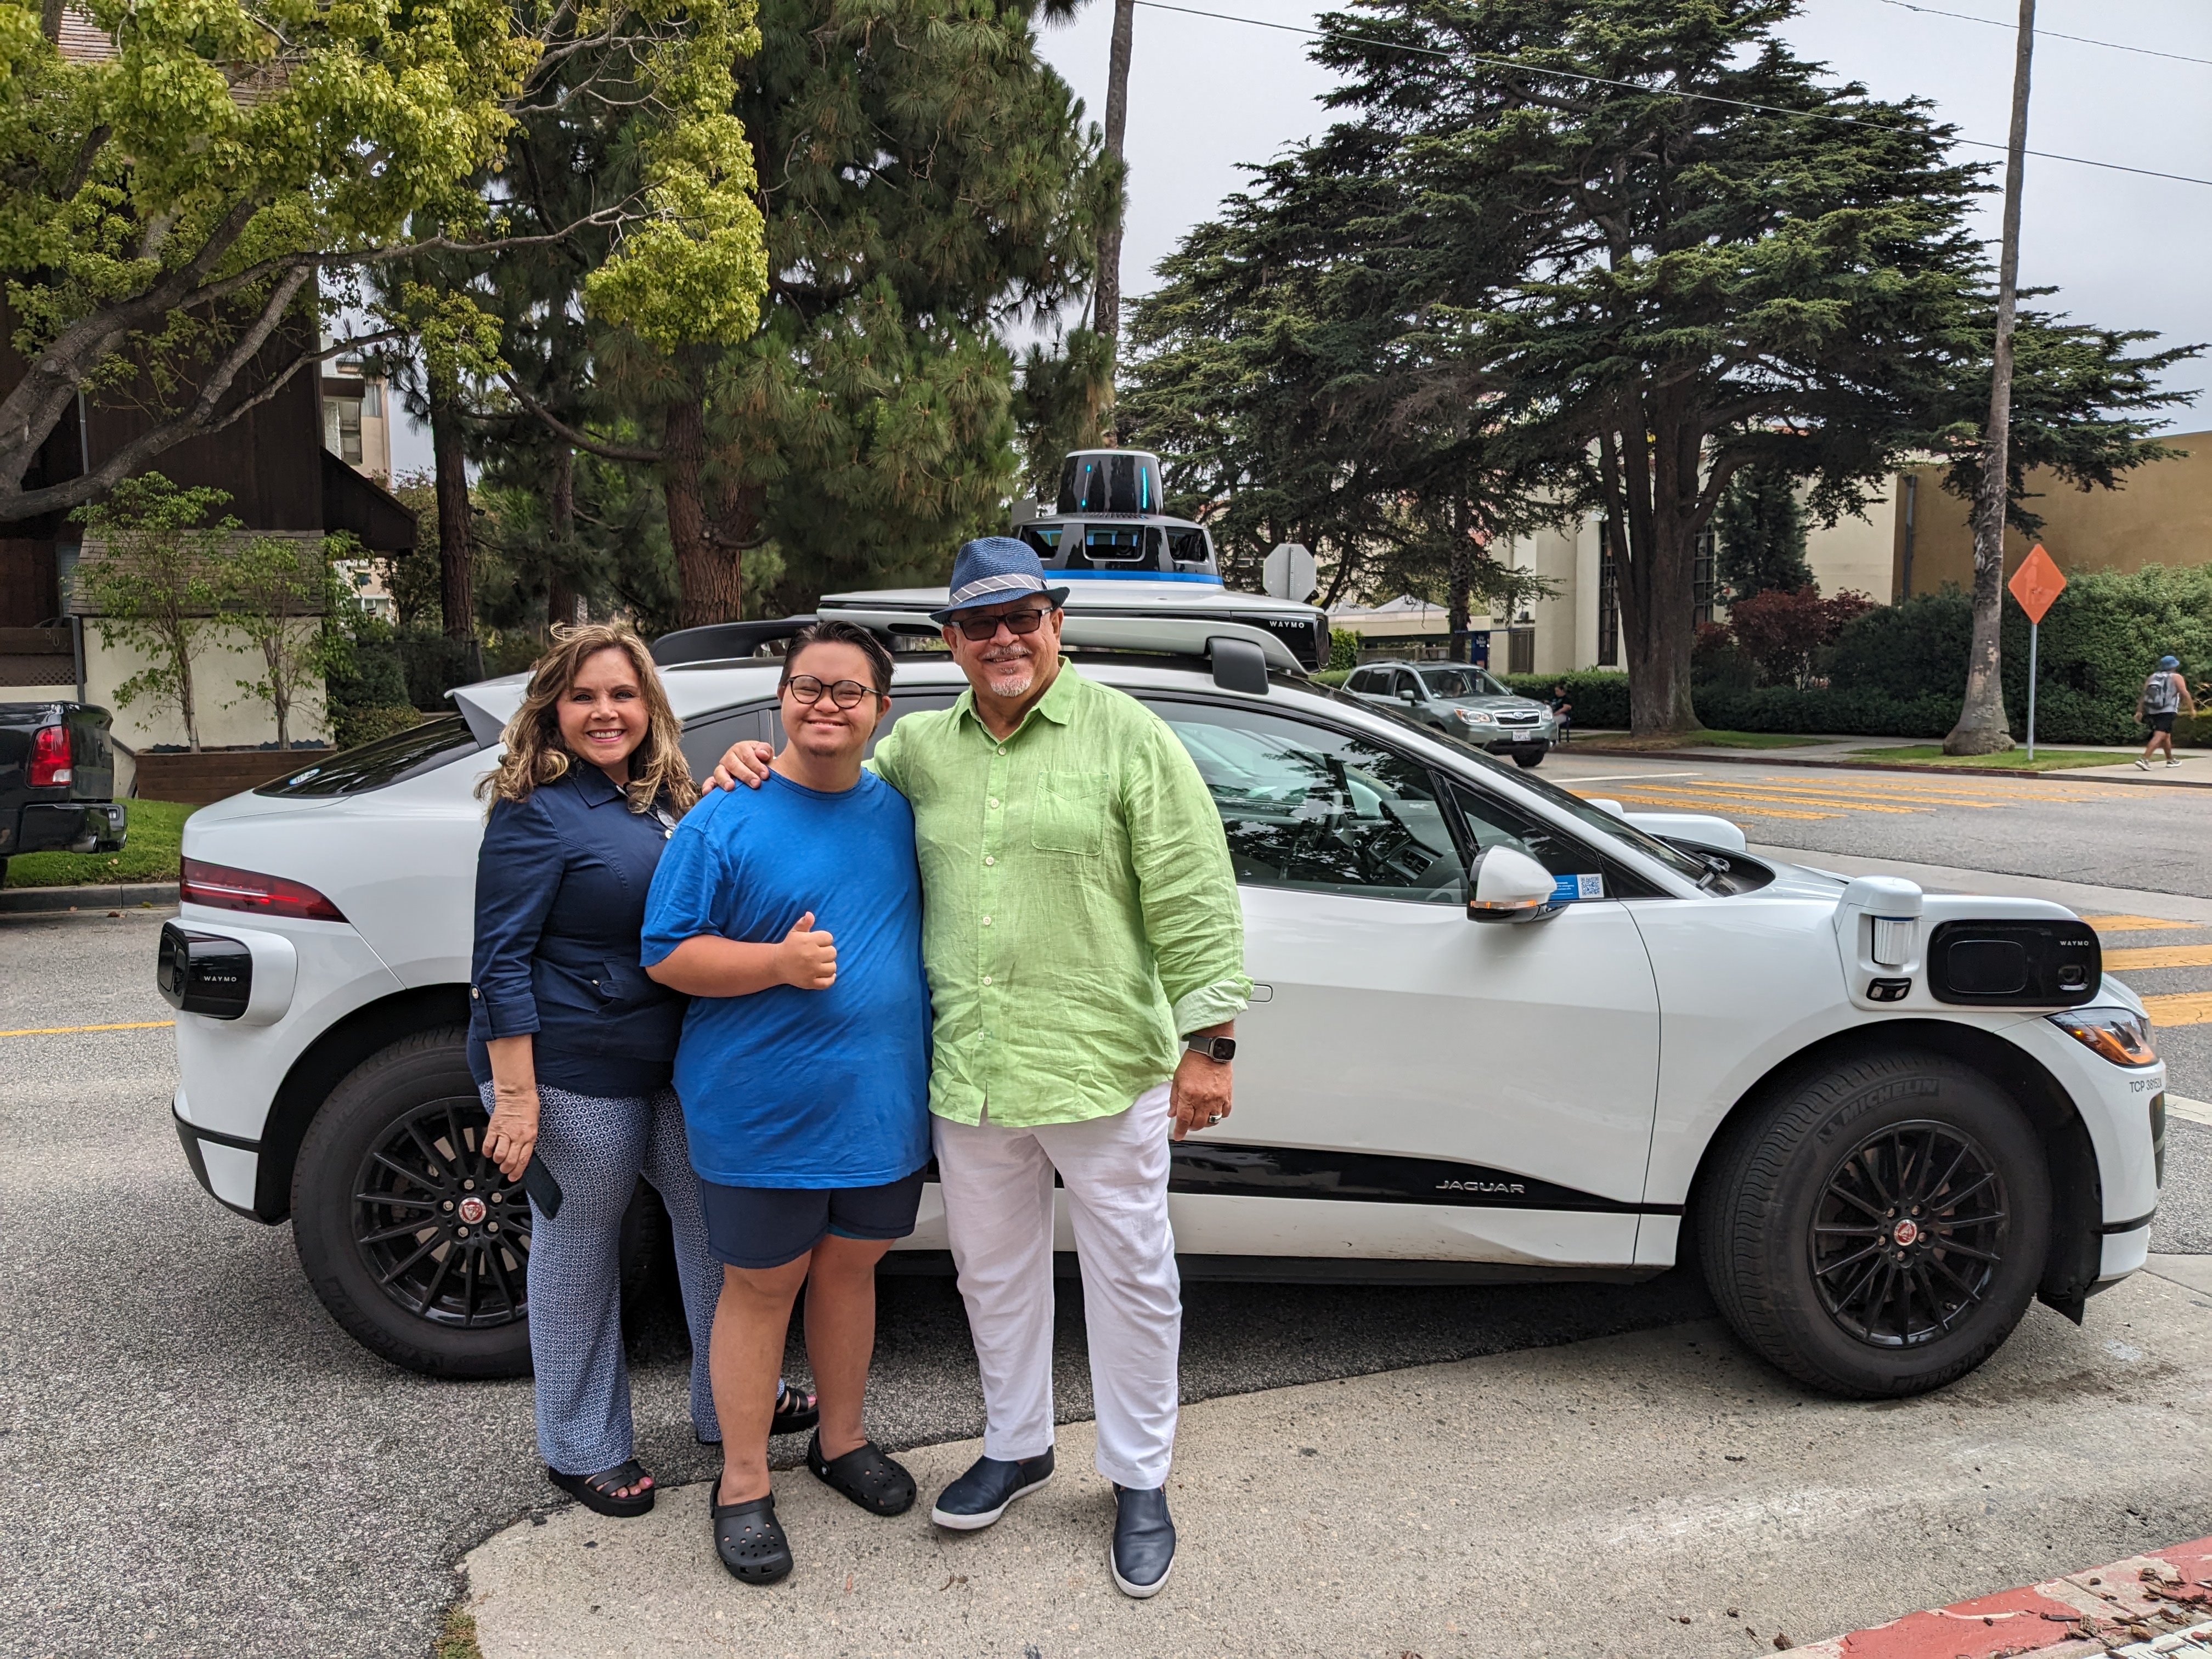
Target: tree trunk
[[457, 587], [561, 600], [1655, 465], [1983, 728], [179, 635], [710, 579], [1106, 298], [1459, 580]]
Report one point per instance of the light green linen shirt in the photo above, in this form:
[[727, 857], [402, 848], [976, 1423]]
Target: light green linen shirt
[[1079, 914]]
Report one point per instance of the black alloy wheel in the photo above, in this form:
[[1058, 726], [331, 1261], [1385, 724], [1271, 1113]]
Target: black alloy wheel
[[393, 1205], [445, 1233], [1876, 1226], [1909, 1234]]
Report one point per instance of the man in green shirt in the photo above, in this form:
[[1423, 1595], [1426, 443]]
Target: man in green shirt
[[1085, 954]]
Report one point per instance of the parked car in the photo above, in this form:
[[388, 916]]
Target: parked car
[[1464, 702], [57, 781], [1498, 1033]]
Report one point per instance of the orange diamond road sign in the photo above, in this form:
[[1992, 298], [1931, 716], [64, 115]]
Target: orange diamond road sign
[[2036, 582]]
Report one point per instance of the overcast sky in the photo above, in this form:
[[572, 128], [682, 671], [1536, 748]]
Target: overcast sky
[[1207, 96]]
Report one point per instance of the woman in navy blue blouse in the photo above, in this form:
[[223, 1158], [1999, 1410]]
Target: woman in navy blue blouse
[[572, 1046]]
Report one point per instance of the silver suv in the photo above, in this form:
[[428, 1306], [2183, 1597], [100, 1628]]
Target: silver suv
[[1462, 702]]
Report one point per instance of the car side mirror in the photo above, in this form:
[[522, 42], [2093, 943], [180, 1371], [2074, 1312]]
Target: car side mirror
[[1506, 885], [1409, 694]]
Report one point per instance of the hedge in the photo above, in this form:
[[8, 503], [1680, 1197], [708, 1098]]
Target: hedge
[[1600, 694], [1900, 670]]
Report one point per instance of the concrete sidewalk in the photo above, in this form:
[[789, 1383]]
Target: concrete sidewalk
[[1648, 1495]]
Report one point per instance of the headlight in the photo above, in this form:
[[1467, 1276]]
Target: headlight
[[2119, 1035], [1476, 716]]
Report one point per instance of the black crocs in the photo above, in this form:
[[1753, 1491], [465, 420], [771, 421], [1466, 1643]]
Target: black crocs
[[865, 1476], [599, 1491], [748, 1538]]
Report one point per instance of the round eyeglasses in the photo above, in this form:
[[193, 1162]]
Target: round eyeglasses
[[846, 694]]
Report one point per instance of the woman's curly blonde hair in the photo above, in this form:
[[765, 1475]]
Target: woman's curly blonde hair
[[535, 754]]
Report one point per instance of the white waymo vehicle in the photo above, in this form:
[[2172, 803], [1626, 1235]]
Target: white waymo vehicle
[[1498, 1033]]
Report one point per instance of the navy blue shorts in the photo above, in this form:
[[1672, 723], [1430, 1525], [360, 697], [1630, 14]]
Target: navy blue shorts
[[761, 1227]]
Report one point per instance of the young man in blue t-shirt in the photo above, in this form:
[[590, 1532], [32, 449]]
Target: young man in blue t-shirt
[[792, 916]]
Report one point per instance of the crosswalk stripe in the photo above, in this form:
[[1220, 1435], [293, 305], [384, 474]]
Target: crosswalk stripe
[[2161, 956], [1733, 792], [2139, 925], [2181, 1008], [1672, 804]]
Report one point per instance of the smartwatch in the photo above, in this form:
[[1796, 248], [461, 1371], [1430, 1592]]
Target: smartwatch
[[1221, 1050]]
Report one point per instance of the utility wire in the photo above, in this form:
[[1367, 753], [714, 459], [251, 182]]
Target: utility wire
[[1630, 85], [2048, 34]]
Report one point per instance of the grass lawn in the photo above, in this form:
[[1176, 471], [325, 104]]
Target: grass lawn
[[157, 831], [1708, 739], [2046, 760]]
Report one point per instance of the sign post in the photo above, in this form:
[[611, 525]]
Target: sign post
[[2036, 582]]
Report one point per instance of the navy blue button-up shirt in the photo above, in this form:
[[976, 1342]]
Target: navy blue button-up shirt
[[561, 880]]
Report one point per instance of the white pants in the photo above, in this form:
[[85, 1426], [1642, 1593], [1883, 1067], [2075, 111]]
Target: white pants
[[998, 1210]]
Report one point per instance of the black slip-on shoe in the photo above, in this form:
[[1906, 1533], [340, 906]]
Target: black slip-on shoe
[[980, 1496], [1144, 1541], [748, 1538]]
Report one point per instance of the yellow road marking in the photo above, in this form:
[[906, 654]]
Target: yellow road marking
[[2161, 956], [2137, 924], [66, 1031], [1675, 804], [1740, 792], [2183, 1008]]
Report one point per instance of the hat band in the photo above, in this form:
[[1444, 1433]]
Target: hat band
[[983, 586]]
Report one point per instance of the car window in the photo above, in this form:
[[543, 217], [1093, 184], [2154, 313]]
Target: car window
[[1462, 682], [706, 736], [1306, 807], [1489, 822], [1404, 683], [379, 765], [1187, 546]]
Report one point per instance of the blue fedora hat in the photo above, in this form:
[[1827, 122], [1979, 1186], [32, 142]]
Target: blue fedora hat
[[991, 570]]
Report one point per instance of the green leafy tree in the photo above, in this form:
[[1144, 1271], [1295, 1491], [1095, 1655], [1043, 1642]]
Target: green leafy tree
[[1679, 253], [150, 573], [169, 212], [925, 180], [285, 595], [1761, 531], [1296, 373]]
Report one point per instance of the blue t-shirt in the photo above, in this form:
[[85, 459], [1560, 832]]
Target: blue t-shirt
[[792, 1088]]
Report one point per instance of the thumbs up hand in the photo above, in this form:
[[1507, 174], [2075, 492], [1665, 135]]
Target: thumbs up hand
[[808, 959]]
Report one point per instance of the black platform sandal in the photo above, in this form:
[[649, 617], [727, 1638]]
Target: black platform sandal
[[793, 1410], [597, 1491], [748, 1538], [865, 1476]]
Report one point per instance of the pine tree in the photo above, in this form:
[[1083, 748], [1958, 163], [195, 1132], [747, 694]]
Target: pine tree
[[1761, 531]]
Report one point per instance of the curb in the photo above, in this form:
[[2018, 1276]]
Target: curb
[[2123, 1609], [128, 896], [1770, 757]]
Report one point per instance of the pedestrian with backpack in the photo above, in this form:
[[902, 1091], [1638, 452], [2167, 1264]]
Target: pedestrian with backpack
[[2164, 695]]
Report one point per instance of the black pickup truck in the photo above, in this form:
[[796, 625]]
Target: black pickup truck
[[57, 781]]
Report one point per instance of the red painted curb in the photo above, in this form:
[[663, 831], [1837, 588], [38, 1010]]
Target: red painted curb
[[2102, 1610]]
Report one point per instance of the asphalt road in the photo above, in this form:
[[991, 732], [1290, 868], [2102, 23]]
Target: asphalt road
[[2113, 835], [199, 1461]]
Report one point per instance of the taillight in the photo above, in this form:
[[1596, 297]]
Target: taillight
[[49, 758], [226, 889]]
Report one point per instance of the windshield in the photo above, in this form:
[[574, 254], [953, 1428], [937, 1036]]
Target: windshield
[[387, 761], [1590, 817], [1462, 682]]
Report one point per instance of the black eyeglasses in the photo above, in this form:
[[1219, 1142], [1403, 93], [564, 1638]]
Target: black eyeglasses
[[846, 694], [1017, 621]]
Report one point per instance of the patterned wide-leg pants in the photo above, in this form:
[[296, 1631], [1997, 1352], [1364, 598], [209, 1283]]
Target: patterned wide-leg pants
[[597, 1146]]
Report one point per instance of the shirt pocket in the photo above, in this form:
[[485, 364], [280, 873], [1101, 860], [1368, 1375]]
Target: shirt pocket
[[1070, 812]]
